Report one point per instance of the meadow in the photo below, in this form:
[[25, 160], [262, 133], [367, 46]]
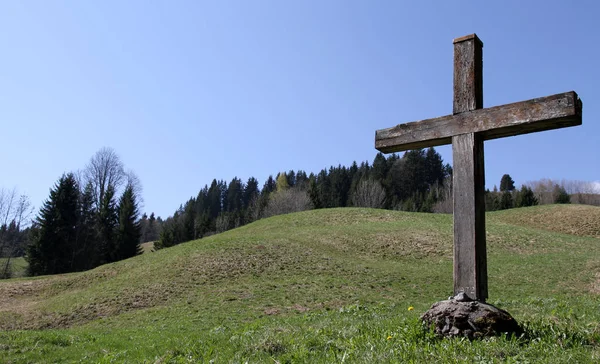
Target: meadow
[[330, 285]]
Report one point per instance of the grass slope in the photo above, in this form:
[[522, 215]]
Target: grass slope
[[318, 286]]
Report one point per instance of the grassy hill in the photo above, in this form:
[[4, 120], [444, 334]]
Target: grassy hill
[[319, 286]]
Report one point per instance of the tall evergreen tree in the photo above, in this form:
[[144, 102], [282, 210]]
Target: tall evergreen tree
[[129, 230], [235, 200], [561, 195], [51, 250], [301, 180], [214, 199], [188, 224], [108, 218], [434, 168], [86, 251], [380, 168], [313, 192], [506, 200], [507, 183], [526, 197]]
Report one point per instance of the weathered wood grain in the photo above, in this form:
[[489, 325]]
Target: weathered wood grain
[[544, 113], [468, 74], [470, 259]]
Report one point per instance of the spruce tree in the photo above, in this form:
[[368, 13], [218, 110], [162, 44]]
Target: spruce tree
[[108, 218], [507, 183], [506, 201], [129, 229], [313, 192], [51, 250], [86, 252], [561, 195], [526, 197]]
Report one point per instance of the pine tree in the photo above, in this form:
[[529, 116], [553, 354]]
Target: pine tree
[[51, 250], [492, 201], [434, 168], [188, 221], [526, 197], [561, 195], [506, 201], [86, 250], [214, 199], [108, 218], [313, 192], [250, 192], [129, 230], [507, 183], [380, 168]]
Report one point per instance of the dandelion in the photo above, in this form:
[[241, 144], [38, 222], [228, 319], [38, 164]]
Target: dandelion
[[410, 308], [389, 337]]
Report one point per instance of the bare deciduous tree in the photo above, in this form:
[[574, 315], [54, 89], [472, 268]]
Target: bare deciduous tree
[[104, 169], [582, 192], [444, 204], [286, 201], [369, 193], [131, 179]]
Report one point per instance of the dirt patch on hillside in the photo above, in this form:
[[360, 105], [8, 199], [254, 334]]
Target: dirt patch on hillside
[[579, 220], [417, 244]]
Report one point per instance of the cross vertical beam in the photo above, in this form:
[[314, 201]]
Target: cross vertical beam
[[470, 258]]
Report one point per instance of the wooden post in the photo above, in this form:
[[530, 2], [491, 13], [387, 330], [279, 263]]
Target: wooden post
[[470, 266]]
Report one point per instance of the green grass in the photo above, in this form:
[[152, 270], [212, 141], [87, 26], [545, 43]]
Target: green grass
[[319, 286], [18, 266]]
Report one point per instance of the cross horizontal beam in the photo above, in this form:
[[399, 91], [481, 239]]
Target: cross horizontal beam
[[544, 113]]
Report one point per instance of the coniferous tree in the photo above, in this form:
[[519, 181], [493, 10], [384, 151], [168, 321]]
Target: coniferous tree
[[492, 200], [324, 189], [313, 192], [108, 218], [526, 197], [188, 224], [506, 200], [291, 178], [51, 250], [301, 180], [129, 230], [250, 192], [86, 251], [214, 199], [561, 195], [507, 183], [235, 200], [434, 168]]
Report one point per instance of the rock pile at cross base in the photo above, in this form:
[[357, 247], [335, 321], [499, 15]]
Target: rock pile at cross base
[[460, 316]]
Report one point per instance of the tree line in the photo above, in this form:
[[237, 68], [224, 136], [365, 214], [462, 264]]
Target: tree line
[[413, 182], [92, 216]]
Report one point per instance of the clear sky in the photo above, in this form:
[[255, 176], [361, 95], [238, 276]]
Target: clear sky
[[188, 91]]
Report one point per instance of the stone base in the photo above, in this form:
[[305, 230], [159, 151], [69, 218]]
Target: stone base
[[461, 317]]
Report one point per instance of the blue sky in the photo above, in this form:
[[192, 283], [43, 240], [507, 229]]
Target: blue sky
[[188, 91]]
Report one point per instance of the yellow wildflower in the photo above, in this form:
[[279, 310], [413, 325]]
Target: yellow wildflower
[[410, 308], [389, 337]]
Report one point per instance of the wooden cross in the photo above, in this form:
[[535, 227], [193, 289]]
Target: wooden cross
[[467, 128]]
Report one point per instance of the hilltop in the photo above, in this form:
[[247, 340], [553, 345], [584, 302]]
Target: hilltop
[[305, 269]]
